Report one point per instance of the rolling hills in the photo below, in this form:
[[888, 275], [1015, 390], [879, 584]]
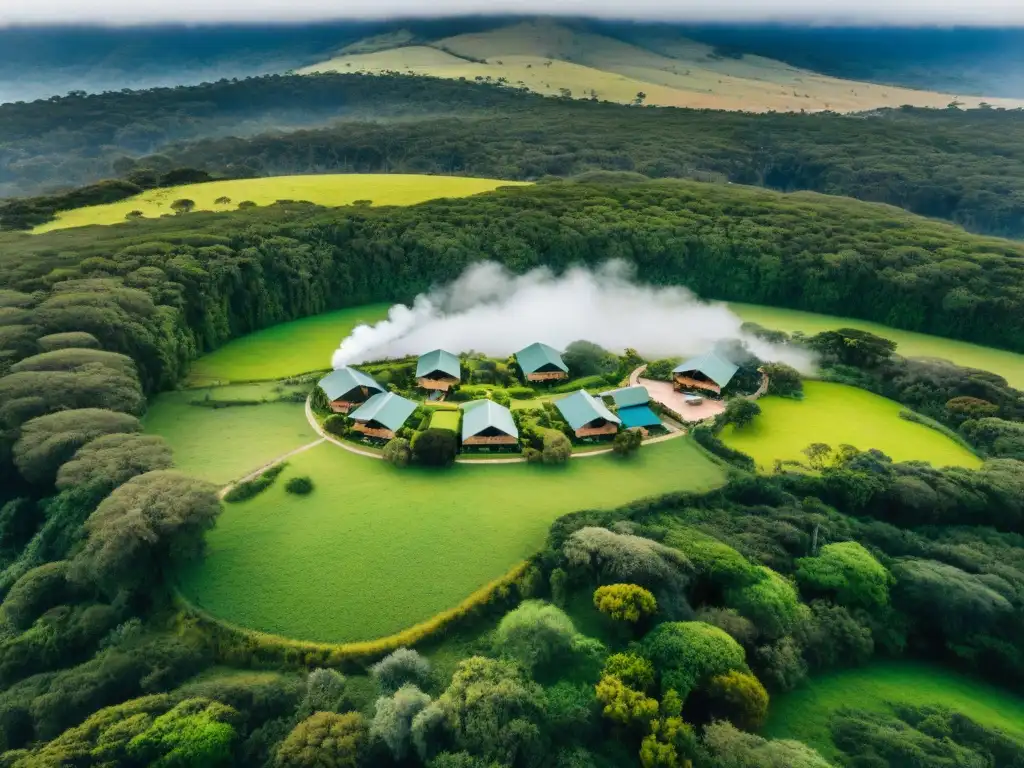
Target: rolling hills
[[668, 70]]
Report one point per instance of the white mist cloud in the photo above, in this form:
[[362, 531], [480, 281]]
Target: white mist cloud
[[968, 12], [490, 310]]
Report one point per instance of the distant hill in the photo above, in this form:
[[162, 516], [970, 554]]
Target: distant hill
[[655, 65]]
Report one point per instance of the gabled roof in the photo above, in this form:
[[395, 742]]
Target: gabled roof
[[438, 360], [638, 416], [386, 408], [628, 396], [716, 368], [479, 415], [537, 355], [580, 408], [341, 381]]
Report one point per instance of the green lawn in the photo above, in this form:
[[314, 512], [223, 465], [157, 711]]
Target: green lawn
[[804, 713], [224, 444], [1009, 365], [329, 189], [374, 549], [444, 419], [284, 350], [837, 414]]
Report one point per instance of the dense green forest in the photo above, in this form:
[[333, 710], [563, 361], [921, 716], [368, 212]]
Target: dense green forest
[[965, 166]]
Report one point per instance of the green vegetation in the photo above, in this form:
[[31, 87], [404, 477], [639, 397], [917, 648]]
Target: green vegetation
[[804, 713], [325, 189], [414, 542], [444, 418], [836, 414], [1007, 364], [287, 349]]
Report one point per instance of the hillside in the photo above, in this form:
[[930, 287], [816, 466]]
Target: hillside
[[669, 70]]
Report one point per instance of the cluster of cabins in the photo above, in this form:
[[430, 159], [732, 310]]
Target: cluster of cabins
[[378, 413]]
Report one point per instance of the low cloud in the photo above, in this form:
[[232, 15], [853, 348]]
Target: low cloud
[[490, 310], [967, 12]]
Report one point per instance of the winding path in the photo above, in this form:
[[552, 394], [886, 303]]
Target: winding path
[[272, 463]]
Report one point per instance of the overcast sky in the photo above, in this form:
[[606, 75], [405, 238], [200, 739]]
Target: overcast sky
[[910, 12]]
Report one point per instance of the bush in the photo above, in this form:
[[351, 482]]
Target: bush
[[325, 740], [337, 424], [521, 393], [300, 486], [708, 440], [625, 602], [740, 412], [246, 204], [397, 452], [435, 447], [400, 667], [689, 653], [535, 634], [783, 380], [247, 489], [627, 441], [771, 603], [557, 449], [846, 572], [68, 340], [741, 698], [635, 671]]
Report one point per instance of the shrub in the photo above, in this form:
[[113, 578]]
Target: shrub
[[627, 441], [707, 439], [397, 452], [847, 572], [246, 204], [324, 691], [740, 412], [689, 653], [624, 558], [435, 447], [393, 718], [247, 489], [736, 749], [325, 740], [557, 449], [300, 486], [337, 424], [771, 603], [521, 393], [635, 671], [533, 456], [783, 380], [401, 666], [741, 698], [184, 205], [624, 705], [535, 634], [68, 340], [625, 602]]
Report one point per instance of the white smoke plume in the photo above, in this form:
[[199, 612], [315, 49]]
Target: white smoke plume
[[490, 310]]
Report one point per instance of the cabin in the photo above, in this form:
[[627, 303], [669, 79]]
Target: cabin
[[710, 372], [539, 362], [382, 415], [438, 371], [587, 415], [632, 408], [486, 423], [346, 387]]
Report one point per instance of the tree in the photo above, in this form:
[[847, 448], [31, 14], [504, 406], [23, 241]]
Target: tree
[[28, 394], [634, 671], [535, 634], [397, 452], [70, 359], [624, 705], [740, 412], [625, 602], [69, 340], [739, 697], [325, 689], [49, 441], [150, 522], [36, 591], [392, 721], [299, 486], [585, 358], [110, 460], [627, 441], [846, 572], [624, 558], [671, 742], [337, 424], [771, 603], [818, 455], [246, 204], [325, 740], [557, 448], [689, 653], [781, 665], [400, 667], [961, 409], [435, 447], [134, 215], [783, 380], [852, 346], [832, 637], [222, 200], [196, 732], [732, 748], [184, 205]]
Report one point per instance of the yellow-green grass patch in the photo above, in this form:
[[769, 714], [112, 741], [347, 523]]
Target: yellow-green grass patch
[[374, 549], [837, 414], [1009, 365], [804, 713], [283, 350], [444, 419], [333, 189], [225, 444]]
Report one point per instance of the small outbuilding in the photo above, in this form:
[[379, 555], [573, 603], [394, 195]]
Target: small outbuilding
[[346, 387], [626, 397], [587, 415], [382, 415], [709, 372], [438, 370], [539, 362], [485, 422], [633, 409]]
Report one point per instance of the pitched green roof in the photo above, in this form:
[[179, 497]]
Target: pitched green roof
[[716, 368], [386, 408], [438, 360], [580, 408], [534, 357], [628, 396], [341, 381], [479, 415]]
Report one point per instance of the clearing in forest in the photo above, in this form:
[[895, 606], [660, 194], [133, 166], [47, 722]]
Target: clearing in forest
[[836, 414], [804, 713], [335, 189], [374, 549]]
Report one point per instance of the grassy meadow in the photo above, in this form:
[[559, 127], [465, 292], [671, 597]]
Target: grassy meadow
[[374, 549], [225, 444], [325, 189], [1009, 365], [804, 713], [837, 414], [550, 58]]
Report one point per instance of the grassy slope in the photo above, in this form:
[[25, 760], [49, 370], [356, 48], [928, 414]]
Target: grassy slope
[[836, 414], [546, 57], [374, 549], [284, 350], [224, 444], [326, 189], [1010, 365], [804, 713]]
